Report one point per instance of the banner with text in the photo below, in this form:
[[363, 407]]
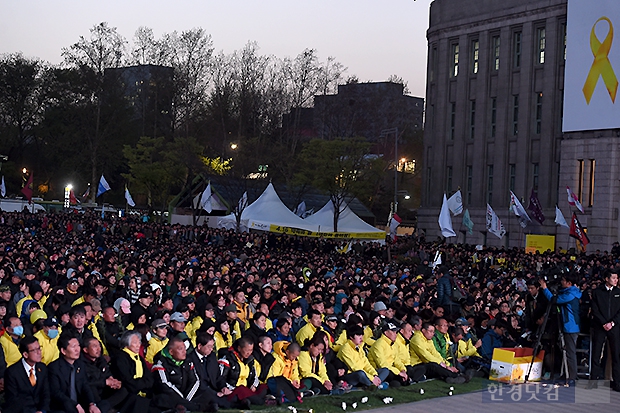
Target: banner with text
[[336, 235], [592, 65]]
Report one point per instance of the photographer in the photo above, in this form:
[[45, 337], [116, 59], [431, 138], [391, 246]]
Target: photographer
[[567, 299]]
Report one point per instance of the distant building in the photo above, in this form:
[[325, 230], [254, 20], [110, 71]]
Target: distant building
[[149, 89], [493, 124]]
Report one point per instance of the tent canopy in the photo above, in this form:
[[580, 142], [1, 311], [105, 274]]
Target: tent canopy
[[267, 210], [347, 221]]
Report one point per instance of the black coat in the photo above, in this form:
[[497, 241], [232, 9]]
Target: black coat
[[20, 396], [174, 384], [97, 372], [60, 382], [124, 369], [208, 371], [605, 306]]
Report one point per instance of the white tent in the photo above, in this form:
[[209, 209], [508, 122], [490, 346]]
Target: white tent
[[267, 210], [347, 221], [216, 202]]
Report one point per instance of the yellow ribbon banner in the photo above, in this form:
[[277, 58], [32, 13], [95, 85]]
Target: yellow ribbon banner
[[337, 235], [601, 65]]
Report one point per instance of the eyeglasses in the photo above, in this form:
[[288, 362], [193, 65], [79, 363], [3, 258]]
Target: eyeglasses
[[35, 350]]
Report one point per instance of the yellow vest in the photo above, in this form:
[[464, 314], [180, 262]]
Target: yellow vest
[[49, 346], [155, 346], [11, 350]]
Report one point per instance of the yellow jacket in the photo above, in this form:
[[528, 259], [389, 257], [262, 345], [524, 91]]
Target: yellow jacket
[[307, 332], [242, 311], [383, 354], [20, 304], [309, 368], [423, 350], [49, 346], [11, 350], [155, 346], [340, 342], [93, 329], [355, 359], [467, 349], [220, 342], [283, 366], [368, 336], [403, 358]]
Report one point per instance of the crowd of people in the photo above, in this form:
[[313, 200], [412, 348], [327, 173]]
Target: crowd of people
[[112, 314]]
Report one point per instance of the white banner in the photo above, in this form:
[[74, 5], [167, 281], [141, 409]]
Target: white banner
[[592, 65]]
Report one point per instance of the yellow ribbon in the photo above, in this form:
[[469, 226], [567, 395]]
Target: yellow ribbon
[[601, 65]]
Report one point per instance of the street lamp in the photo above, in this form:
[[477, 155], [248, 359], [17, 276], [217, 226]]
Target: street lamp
[[395, 132], [233, 146], [68, 189], [24, 180]]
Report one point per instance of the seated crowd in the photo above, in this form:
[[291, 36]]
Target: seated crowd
[[128, 316]]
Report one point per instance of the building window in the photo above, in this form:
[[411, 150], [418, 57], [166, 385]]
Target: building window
[[489, 184], [475, 54], [470, 171], [495, 52], [452, 120], [449, 180], [493, 117], [515, 115], [512, 176], [472, 119], [540, 45], [516, 50], [428, 182], [539, 98], [455, 60], [580, 183], [433, 67], [535, 171], [591, 192], [563, 35]]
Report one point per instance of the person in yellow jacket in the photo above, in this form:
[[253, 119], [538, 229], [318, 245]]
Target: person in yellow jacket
[[312, 369], [401, 346], [48, 340], [13, 333], [467, 348], [159, 339], [283, 381], [423, 351], [315, 321], [383, 355], [243, 310], [222, 336], [360, 371]]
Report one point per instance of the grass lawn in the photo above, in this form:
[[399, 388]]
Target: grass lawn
[[332, 404]]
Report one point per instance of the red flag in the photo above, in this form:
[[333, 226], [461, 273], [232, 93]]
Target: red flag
[[72, 199], [27, 189], [577, 232]]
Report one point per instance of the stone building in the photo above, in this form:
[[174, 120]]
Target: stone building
[[494, 123]]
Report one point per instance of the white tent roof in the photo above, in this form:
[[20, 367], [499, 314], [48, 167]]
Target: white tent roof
[[347, 221], [216, 202], [267, 210]]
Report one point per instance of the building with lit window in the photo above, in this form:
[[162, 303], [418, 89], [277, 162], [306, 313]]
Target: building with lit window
[[494, 124]]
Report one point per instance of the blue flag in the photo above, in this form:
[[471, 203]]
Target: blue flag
[[103, 186]]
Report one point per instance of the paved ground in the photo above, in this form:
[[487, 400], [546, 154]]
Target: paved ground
[[516, 399]]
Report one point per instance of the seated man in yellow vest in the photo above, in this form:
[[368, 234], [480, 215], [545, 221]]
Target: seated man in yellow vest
[[360, 371], [10, 340], [315, 320], [383, 354], [423, 351]]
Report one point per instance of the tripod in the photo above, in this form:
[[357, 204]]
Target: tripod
[[538, 343]]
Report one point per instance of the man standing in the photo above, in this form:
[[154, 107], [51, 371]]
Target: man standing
[[26, 384], [68, 382], [605, 321], [568, 301]]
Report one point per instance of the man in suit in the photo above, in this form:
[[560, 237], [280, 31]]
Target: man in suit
[[26, 382], [605, 326], [211, 381], [68, 382]]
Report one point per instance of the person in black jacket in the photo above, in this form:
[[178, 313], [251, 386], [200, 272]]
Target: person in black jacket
[[20, 395], [131, 369], [257, 327], [176, 380], [103, 385], [205, 362], [606, 326], [69, 387], [112, 331]]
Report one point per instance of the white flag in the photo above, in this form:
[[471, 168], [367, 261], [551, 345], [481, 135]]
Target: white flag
[[494, 224], [518, 210], [437, 260], [103, 186], [455, 203], [301, 209], [243, 202], [445, 221], [205, 199], [573, 200], [3, 188], [129, 198], [559, 218]]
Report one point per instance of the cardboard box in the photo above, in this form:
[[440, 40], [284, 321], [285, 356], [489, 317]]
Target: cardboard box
[[510, 365]]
